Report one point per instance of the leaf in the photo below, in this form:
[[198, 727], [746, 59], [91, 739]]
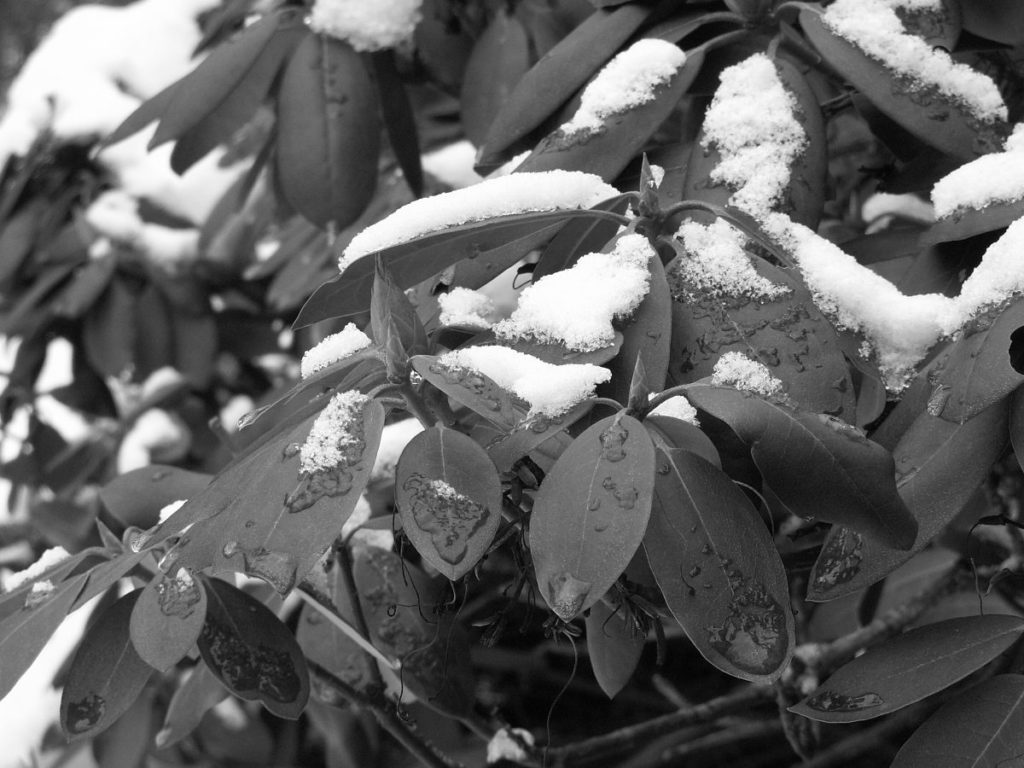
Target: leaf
[[84, 288], [906, 669], [853, 482], [247, 520], [579, 237], [999, 20], [940, 464], [106, 675], [18, 237], [399, 118], [561, 72], [251, 652], [324, 644], [28, 622], [924, 111], [614, 645], [979, 372], [200, 693], [328, 132], [591, 512], [939, 25], [965, 223], [669, 434], [150, 110], [391, 311], [412, 262], [605, 152], [718, 569], [982, 726], [924, 569], [167, 619], [136, 497], [448, 494], [109, 330]]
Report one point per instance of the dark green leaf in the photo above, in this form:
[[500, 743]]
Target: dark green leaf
[[136, 497], [399, 118], [326, 645], [500, 57], [669, 434], [392, 312], [591, 512], [328, 132], [853, 482], [614, 645], [17, 240], [579, 237], [106, 676], [969, 222], [251, 652], [84, 288], [999, 20], [200, 692], [167, 619], [910, 579], [151, 109], [646, 338], [717, 567], [449, 496], [109, 330], [910, 667]]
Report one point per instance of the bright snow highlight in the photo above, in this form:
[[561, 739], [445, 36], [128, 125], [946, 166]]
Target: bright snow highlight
[[367, 26], [335, 347], [332, 433], [734, 369]]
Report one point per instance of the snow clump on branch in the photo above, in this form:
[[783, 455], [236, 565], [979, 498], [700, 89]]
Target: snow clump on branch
[[367, 26]]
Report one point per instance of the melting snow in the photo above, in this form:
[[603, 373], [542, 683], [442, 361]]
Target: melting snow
[[874, 27], [335, 347], [677, 407], [549, 389], [626, 82], [46, 561], [716, 263], [325, 448], [504, 196], [468, 308], [170, 509], [994, 178], [576, 306], [367, 26], [734, 369]]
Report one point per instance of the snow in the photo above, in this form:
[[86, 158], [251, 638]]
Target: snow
[[882, 205], [155, 432], [506, 744], [170, 509], [874, 27], [575, 307], [50, 558], [393, 440], [549, 389], [328, 442], [114, 215], [452, 164], [504, 196], [677, 407], [367, 26], [657, 175], [626, 82], [335, 347], [466, 307], [751, 123], [734, 369], [717, 264], [236, 409], [993, 178]]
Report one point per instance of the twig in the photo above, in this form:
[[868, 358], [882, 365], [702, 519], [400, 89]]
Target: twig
[[732, 736], [844, 752]]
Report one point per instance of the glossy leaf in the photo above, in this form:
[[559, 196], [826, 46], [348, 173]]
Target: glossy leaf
[[251, 652], [448, 494], [106, 676], [982, 726], [399, 118], [973, 221], [167, 619], [670, 434], [853, 482], [928, 114], [392, 312], [718, 569], [328, 132], [556, 76], [326, 645], [614, 645], [591, 512], [921, 571], [136, 497], [579, 237], [200, 693], [999, 20], [150, 110], [906, 669], [939, 465]]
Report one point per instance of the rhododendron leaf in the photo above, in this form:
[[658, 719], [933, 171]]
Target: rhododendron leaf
[[718, 569], [579, 237], [251, 652], [969, 222], [448, 494], [591, 512], [106, 675], [853, 482], [392, 312], [200, 692], [670, 434], [614, 645], [167, 619], [399, 118], [906, 669], [939, 465], [328, 132], [151, 109], [646, 338], [136, 497], [999, 20]]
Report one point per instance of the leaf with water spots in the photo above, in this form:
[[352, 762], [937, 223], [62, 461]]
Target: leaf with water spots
[[106, 675], [591, 512], [136, 497], [939, 465], [983, 726], [718, 569], [168, 618], [906, 669], [251, 652], [614, 644], [816, 465], [449, 497]]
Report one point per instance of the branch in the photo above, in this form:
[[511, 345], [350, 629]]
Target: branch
[[870, 739]]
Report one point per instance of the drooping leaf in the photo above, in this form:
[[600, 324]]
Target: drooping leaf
[[167, 619], [251, 652], [399, 119], [136, 497], [982, 726], [448, 494], [853, 482], [106, 676], [906, 669], [591, 512], [907, 581], [942, 123], [150, 110], [125, 743], [718, 569], [579, 237], [328, 132], [614, 645], [200, 692], [939, 465], [553, 79]]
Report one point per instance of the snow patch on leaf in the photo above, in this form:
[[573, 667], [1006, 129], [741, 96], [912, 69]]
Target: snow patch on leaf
[[170, 509], [716, 263], [734, 369], [507, 744], [50, 558], [367, 26], [335, 347], [677, 407], [334, 433], [466, 307], [993, 178]]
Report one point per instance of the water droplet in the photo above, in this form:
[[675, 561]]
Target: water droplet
[[169, 561], [84, 714], [830, 701], [291, 450], [664, 469], [613, 441], [179, 595], [706, 549], [594, 505], [695, 572], [136, 538], [450, 518], [566, 594], [160, 474], [231, 549], [250, 523], [626, 498]]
